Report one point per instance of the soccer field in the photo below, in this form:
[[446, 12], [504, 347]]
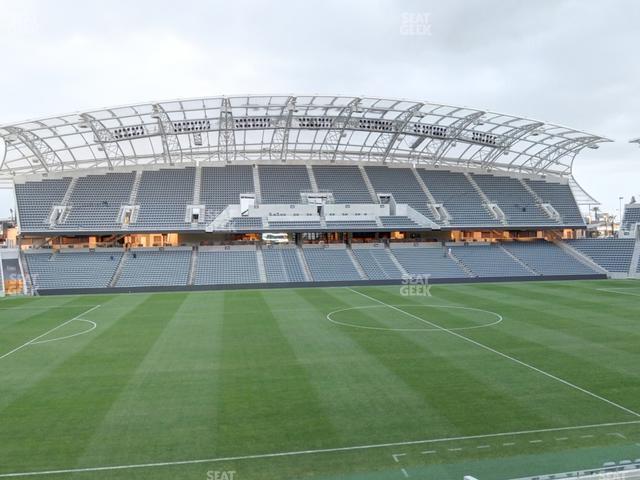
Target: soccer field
[[491, 380]]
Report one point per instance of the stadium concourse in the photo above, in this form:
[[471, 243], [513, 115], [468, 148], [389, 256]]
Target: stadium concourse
[[191, 194]]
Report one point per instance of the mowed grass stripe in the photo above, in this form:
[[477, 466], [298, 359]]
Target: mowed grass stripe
[[601, 360], [425, 362], [265, 401], [71, 401], [175, 384], [587, 329], [365, 400], [524, 364], [279, 366]]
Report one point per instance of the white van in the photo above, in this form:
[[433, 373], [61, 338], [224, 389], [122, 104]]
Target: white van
[[275, 238]]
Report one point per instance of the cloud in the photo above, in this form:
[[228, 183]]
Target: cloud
[[563, 61]]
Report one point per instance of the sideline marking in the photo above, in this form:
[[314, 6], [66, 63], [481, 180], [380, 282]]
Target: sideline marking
[[34, 340], [307, 452], [504, 355], [610, 290], [390, 329], [17, 308]]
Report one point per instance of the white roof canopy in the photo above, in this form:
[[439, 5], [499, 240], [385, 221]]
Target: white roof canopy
[[254, 128]]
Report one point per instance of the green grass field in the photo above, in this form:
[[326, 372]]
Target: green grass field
[[492, 380]]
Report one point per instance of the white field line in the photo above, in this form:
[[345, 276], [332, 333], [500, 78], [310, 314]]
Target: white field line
[[307, 452], [92, 327], [18, 308], [34, 340], [390, 329], [504, 355], [610, 290]]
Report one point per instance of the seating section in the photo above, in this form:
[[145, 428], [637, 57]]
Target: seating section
[[66, 270], [146, 268], [631, 217], [398, 221], [560, 197], [547, 258], [330, 264], [352, 225], [282, 184], [245, 223], [377, 263], [227, 267], [402, 184], [163, 197], [489, 261], [518, 205], [345, 182], [241, 265], [432, 261], [613, 254], [281, 265], [462, 201], [96, 200], [295, 225], [222, 186], [35, 201]]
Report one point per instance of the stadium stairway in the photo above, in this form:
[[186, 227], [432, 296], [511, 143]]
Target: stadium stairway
[[502, 219], [578, 255], [133, 197], [367, 182], [517, 260], [193, 265], [396, 262], [305, 267], [261, 269], [356, 264], [116, 274], [462, 265]]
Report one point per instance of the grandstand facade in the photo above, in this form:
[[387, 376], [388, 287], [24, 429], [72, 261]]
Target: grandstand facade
[[184, 194]]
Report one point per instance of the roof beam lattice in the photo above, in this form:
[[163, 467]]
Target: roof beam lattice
[[171, 149], [44, 154], [105, 139], [226, 133]]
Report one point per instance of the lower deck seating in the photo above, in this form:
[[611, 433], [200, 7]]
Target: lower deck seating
[[72, 269], [330, 264], [547, 258], [377, 263], [613, 254], [227, 267], [431, 261], [489, 261], [147, 268], [281, 265], [176, 267]]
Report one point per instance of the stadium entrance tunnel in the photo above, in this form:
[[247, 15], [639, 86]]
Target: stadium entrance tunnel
[[414, 318]]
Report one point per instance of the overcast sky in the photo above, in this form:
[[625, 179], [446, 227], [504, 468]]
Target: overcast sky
[[574, 63]]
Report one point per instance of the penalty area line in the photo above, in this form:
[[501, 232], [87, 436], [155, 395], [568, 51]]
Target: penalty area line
[[33, 341], [307, 452]]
